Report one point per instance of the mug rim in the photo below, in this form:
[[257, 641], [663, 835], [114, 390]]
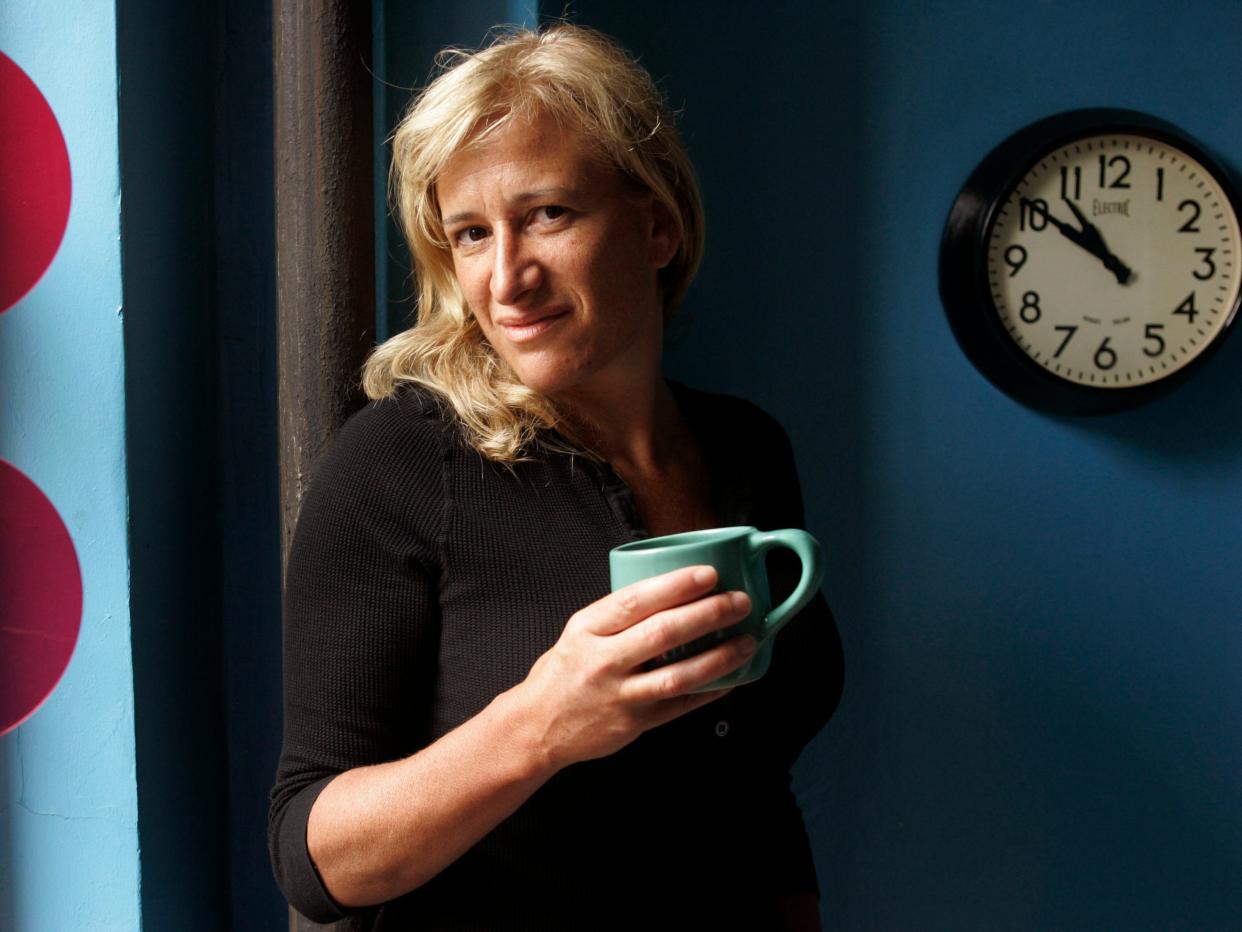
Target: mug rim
[[667, 542]]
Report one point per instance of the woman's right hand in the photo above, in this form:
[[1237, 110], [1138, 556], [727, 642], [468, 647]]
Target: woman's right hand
[[591, 693], [379, 831]]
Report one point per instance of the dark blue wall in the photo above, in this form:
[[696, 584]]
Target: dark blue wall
[[166, 129], [1041, 614], [197, 222]]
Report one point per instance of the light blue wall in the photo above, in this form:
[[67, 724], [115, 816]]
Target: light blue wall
[[68, 819], [1041, 615]]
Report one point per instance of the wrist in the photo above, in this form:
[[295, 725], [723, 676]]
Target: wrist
[[517, 718]]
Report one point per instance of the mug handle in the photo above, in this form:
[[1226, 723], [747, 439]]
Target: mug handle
[[812, 556]]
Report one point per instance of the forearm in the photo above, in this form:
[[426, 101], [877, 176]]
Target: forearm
[[378, 832]]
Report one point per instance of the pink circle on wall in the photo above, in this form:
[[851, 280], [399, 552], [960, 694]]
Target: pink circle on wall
[[40, 597], [34, 184]]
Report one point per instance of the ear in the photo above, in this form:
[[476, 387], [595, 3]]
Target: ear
[[665, 233]]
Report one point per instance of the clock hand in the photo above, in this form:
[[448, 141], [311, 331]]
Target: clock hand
[[1073, 234], [1093, 242], [1085, 240]]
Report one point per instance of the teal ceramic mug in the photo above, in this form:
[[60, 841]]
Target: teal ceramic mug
[[738, 554]]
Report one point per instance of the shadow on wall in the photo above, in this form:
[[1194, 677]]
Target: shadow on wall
[[196, 81], [775, 121], [773, 315]]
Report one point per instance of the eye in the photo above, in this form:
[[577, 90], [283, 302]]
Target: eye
[[551, 212], [468, 236]]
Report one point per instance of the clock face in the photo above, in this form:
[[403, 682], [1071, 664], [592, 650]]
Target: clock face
[[1113, 262]]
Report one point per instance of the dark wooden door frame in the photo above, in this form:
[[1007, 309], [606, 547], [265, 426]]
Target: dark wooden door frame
[[325, 233], [325, 227]]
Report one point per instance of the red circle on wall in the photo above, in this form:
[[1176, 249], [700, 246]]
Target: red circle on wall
[[40, 597], [34, 184]]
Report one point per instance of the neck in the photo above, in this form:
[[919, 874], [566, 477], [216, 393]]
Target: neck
[[633, 430]]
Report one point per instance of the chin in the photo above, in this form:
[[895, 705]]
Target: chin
[[551, 376], [547, 384]]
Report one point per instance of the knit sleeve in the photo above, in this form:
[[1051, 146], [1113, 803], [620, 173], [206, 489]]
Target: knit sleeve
[[360, 621]]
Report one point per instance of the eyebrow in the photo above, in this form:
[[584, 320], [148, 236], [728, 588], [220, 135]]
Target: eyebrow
[[525, 197]]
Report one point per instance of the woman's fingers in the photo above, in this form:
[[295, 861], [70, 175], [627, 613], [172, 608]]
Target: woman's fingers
[[669, 687], [631, 604], [678, 626], [591, 691]]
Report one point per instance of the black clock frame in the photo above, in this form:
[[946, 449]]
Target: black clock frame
[[964, 289]]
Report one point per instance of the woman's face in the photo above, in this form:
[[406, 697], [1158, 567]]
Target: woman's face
[[557, 257]]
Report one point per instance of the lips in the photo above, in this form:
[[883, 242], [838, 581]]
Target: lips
[[529, 327]]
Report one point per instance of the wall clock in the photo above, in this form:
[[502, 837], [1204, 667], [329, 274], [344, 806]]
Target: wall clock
[[1090, 262]]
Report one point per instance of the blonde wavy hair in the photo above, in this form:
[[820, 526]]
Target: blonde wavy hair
[[587, 83]]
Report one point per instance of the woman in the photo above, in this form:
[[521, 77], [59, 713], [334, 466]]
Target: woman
[[473, 738]]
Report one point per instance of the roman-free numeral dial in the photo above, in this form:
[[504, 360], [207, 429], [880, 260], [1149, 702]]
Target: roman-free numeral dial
[[1091, 261], [1114, 260]]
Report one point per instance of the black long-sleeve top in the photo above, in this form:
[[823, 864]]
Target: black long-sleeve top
[[424, 580]]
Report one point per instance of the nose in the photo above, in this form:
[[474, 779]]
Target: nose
[[515, 271]]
